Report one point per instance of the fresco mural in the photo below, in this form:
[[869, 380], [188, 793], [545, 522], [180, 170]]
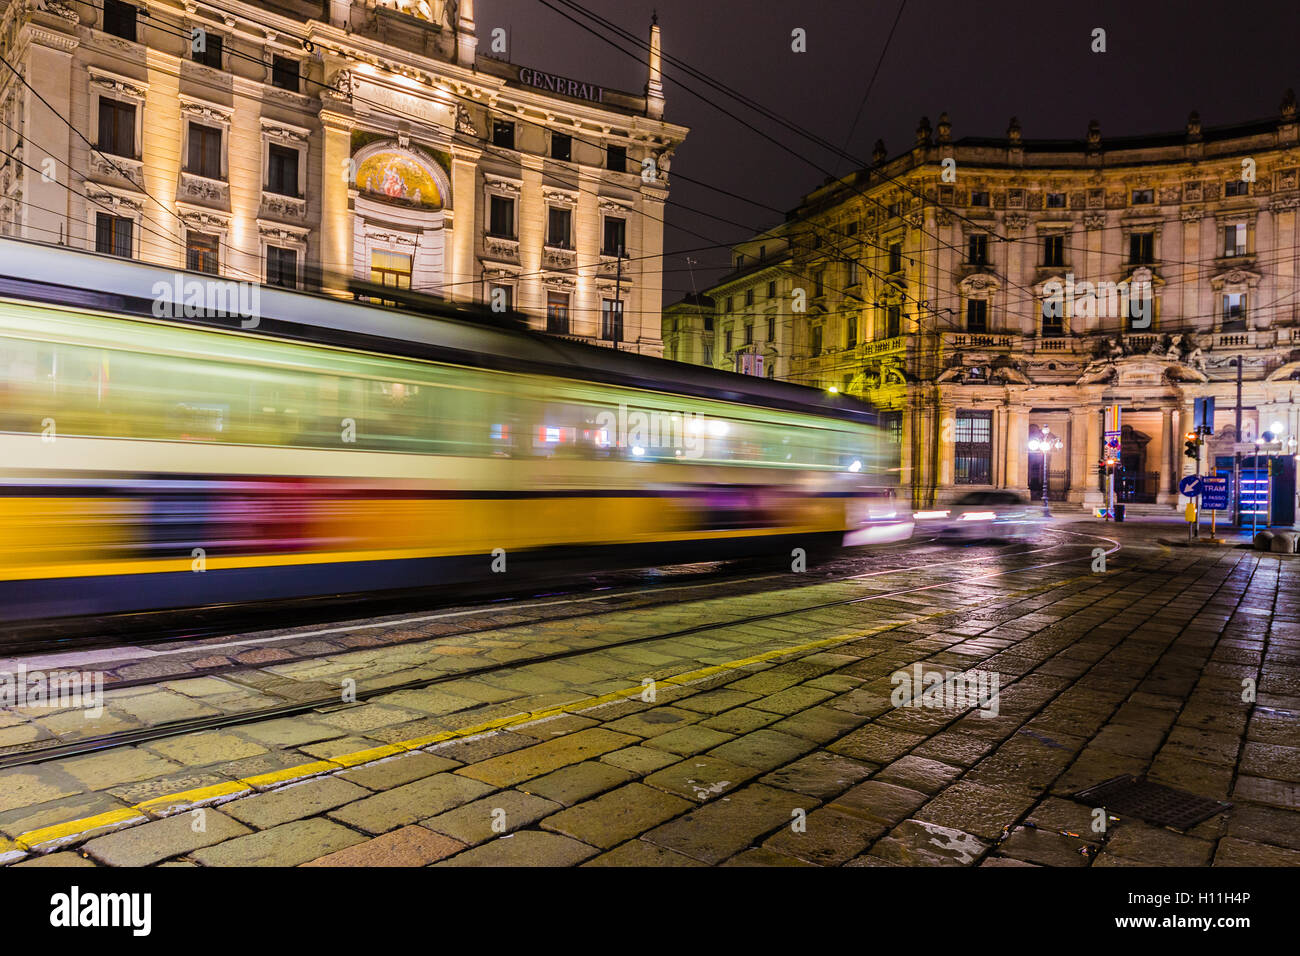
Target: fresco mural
[[393, 175]]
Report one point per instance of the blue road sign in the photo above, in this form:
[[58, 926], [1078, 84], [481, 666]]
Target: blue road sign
[[1190, 486], [1214, 492]]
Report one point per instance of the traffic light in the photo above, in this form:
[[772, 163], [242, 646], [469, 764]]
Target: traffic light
[[1191, 445]]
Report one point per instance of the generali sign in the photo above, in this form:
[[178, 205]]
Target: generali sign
[[559, 84]]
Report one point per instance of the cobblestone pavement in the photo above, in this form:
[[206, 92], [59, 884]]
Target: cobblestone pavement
[[776, 742]]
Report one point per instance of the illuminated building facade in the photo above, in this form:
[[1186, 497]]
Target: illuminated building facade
[[356, 137], [981, 289]]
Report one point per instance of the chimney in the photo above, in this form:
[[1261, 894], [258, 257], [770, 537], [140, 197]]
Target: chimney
[[654, 88]]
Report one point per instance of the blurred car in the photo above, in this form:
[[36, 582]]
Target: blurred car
[[985, 516]]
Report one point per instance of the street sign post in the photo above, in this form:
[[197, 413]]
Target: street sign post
[[1112, 455], [1191, 487], [1215, 495]]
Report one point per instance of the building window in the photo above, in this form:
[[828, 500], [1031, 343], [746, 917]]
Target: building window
[[771, 328], [611, 320], [119, 19], [210, 55], [749, 335], [501, 217], [202, 252], [1234, 312], [852, 229], [892, 425], [557, 312], [816, 344], [561, 146], [1054, 250], [853, 271], [503, 134], [1141, 248], [707, 356], [1053, 322], [896, 257], [727, 341], [973, 454], [285, 73], [616, 158], [390, 269], [762, 253], [282, 267], [282, 177], [893, 321], [892, 210], [559, 223], [116, 128], [771, 290], [728, 304], [615, 236], [979, 197], [1143, 197], [851, 332], [497, 292], [205, 151], [978, 250], [749, 297], [1234, 240], [1056, 200], [977, 315], [819, 283], [114, 235], [1236, 187], [740, 262]]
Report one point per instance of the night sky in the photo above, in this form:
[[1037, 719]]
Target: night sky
[[983, 62]]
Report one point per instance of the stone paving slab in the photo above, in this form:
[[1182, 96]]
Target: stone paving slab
[[751, 758]]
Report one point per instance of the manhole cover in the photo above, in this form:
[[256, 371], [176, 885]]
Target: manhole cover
[[1163, 806]]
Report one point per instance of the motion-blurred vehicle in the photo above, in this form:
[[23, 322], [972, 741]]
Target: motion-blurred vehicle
[[985, 516], [333, 448]]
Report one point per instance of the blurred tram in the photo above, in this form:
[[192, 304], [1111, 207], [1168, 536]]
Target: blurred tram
[[342, 449]]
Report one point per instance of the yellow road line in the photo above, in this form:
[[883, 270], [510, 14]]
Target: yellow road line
[[72, 831]]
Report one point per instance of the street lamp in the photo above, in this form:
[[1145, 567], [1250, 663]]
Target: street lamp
[[1046, 443]]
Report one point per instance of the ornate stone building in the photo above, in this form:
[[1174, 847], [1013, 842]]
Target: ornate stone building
[[358, 137], [981, 289]]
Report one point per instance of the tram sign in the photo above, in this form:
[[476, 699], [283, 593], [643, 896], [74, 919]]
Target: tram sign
[[1214, 492], [1190, 486]]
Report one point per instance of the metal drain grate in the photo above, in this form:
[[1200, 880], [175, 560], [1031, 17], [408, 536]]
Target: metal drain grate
[[1163, 806]]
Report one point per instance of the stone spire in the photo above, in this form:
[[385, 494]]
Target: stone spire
[[466, 34], [654, 88]]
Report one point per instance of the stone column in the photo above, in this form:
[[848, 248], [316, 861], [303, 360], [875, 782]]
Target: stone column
[[1093, 497], [1083, 470], [947, 428], [1168, 464], [463, 271], [46, 207], [336, 221], [1017, 450]]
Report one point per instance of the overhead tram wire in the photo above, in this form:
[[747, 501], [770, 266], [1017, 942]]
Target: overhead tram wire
[[1008, 241], [921, 305], [880, 61]]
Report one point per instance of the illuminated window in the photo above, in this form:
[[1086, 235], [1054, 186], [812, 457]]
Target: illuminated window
[[202, 252], [1234, 312], [391, 269], [559, 224], [557, 312], [1234, 239], [501, 217], [973, 454]]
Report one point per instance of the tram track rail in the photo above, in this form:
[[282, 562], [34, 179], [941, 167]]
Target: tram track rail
[[215, 722]]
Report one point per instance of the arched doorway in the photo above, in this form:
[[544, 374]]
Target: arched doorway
[[1134, 482], [399, 233]]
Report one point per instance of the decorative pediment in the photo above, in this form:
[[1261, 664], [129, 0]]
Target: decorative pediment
[[1234, 280], [979, 285]]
